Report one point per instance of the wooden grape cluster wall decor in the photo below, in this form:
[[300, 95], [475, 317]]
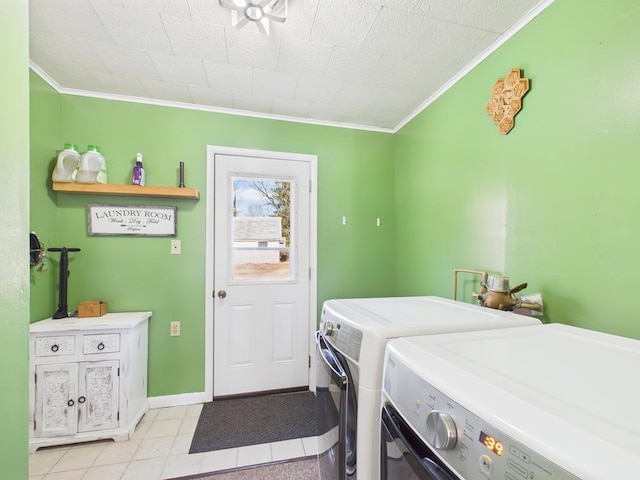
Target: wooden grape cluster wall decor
[[506, 100]]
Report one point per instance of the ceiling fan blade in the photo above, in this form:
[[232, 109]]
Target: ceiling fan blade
[[275, 18], [276, 10], [263, 25], [238, 20]]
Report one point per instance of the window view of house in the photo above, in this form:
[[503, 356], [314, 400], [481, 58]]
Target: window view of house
[[261, 229]]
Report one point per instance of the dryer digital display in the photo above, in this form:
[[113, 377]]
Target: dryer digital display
[[491, 443]]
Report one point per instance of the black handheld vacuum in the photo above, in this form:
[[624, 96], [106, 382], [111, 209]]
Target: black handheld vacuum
[[63, 310]]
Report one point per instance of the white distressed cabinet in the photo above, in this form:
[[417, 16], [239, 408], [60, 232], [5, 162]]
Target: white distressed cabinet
[[88, 378]]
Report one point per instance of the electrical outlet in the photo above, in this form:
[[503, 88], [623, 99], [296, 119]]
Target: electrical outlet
[[175, 247], [175, 329]]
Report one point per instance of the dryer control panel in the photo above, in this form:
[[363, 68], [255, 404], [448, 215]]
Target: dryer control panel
[[466, 443], [341, 335]]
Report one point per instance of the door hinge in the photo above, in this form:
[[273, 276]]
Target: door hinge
[[35, 378], [309, 361], [118, 417], [310, 186], [118, 371]]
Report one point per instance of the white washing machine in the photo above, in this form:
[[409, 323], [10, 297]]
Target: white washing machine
[[550, 402], [350, 351]]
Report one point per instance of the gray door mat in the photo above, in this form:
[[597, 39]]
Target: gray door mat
[[241, 422]]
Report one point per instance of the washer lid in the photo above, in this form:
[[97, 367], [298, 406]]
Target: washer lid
[[568, 393], [392, 317]]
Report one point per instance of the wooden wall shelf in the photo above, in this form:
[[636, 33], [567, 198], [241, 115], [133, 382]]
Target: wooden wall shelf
[[126, 190]]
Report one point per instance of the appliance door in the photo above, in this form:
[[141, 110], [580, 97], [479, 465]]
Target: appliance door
[[335, 393], [404, 455]]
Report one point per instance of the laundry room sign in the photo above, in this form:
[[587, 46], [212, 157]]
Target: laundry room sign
[[132, 220]]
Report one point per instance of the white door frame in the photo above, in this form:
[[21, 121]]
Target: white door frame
[[212, 151]]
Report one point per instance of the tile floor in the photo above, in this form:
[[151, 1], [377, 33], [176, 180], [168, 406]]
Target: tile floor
[[159, 449]]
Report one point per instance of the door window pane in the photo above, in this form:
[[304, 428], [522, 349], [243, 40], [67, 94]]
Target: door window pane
[[262, 231]]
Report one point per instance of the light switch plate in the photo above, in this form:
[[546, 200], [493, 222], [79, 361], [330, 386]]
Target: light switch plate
[[175, 247]]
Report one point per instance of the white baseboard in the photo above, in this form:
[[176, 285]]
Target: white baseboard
[[177, 400]]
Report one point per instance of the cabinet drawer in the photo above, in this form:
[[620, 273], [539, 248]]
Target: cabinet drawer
[[55, 346], [101, 343]]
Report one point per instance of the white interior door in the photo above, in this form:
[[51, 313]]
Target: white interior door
[[261, 274]]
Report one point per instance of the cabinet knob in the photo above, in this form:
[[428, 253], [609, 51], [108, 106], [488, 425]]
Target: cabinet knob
[[55, 348], [82, 400], [101, 346], [71, 403]]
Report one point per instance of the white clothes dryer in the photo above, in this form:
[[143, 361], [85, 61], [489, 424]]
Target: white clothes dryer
[[350, 352], [549, 402]]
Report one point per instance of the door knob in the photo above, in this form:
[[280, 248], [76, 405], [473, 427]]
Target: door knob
[[222, 294]]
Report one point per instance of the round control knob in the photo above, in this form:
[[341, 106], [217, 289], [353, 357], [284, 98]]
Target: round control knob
[[328, 329], [441, 430]]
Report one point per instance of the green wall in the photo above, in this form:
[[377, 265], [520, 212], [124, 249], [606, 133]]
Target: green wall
[[552, 203], [355, 169], [555, 202], [44, 121], [14, 254]]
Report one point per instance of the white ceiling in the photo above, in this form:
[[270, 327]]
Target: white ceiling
[[370, 64]]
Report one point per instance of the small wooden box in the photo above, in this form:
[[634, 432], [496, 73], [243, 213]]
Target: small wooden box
[[92, 309]]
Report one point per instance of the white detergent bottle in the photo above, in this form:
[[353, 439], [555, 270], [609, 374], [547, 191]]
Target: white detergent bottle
[[102, 174], [93, 168], [67, 164]]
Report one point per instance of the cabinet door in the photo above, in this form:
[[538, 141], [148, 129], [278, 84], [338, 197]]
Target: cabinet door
[[56, 400], [98, 395]]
